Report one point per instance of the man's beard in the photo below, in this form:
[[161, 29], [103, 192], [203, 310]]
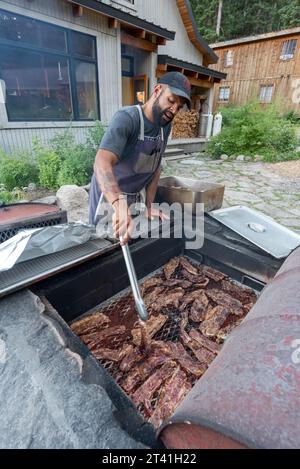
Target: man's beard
[[158, 114]]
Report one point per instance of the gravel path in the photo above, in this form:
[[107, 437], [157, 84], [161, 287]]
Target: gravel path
[[273, 189]]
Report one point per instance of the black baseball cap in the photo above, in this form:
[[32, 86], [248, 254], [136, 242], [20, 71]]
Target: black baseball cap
[[178, 84]]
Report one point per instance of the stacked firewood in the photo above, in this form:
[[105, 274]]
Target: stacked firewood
[[186, 124]]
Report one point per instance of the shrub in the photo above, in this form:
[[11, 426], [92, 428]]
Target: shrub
[[94, 136], [251, 129], [18, 169], [76, 168]]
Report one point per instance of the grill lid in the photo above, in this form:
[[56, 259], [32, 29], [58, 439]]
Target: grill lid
[[259, 229]]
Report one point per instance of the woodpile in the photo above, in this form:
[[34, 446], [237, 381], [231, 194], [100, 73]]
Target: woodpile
[[186, 124]]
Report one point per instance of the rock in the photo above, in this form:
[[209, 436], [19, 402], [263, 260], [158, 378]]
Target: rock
[[25, 189], [74, 200], [192, 162], [87, 187], [31, 187], [248, 158], [53, 393], [240, 158], [50, 200], [258, 158], [224, 157]]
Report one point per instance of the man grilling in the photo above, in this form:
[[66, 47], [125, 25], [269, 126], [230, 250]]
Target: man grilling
[[128, 164]]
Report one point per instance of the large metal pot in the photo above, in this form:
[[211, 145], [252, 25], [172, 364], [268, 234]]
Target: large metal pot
[[190, 191]]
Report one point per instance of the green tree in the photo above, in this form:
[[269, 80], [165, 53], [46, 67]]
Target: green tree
[[245, 17]]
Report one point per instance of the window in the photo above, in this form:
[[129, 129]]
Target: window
[[224, 93], [50, 72], [288, 49], [127, 66], [228, 58], [266, 92]]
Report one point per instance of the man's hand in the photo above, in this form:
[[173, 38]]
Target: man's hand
[[152, 213], [121, 221]]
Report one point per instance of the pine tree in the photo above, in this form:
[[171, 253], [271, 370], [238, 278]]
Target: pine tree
[[245, 17]]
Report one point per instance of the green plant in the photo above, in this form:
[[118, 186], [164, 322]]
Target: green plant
[[76, 168], [292, 117], [251, 129], [18, 169], [95, 135]]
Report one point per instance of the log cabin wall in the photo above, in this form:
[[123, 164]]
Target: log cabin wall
[[257, 63]]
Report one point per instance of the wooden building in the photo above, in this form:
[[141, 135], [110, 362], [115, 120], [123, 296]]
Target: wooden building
[[265, 67], [65, 61]]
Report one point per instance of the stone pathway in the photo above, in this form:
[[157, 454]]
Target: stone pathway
[[246, 183]]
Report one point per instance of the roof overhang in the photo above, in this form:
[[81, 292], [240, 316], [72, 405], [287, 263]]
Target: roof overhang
[[194, 71], [195, 37], [125, 18], [258, 38]]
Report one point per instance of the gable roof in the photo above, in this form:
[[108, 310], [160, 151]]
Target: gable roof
[[195, 37], [259, 37]]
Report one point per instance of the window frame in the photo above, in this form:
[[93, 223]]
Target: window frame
[[219, 97], [285, 57], [267, 85], [226, 53], [71, 58]]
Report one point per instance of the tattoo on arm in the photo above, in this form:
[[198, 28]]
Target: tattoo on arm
[[108, 182]]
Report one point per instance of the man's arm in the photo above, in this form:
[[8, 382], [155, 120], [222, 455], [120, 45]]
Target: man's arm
[[103, 168], [152, 188], [150, 196]]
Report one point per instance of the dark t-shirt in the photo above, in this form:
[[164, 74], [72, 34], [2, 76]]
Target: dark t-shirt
[[124, 129]]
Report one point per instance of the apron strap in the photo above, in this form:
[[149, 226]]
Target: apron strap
[[142, 127]]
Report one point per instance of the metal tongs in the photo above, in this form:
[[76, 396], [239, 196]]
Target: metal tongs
[[139, 303]]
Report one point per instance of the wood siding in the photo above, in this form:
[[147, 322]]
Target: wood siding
[[256, 64], [165, 13]]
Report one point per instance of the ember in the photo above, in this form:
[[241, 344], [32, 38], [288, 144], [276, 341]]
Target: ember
[[192, 309]]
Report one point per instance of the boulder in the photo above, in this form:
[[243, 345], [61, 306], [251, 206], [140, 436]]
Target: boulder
[[240, 158], [224, 157], [74, 200]]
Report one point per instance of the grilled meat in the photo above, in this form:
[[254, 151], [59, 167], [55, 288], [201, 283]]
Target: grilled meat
[[188, 266], [152, 326], [199, 307], [158, 375], [212, 273], [203, 355], [192, 296], [113, 355], [171, 394], [144, 393], [214, 320], [223, 299], [168, 299], [131, 359], [178, 283], [170, 267], [149, 283], [244, 295], [110, 336], [150, 298], [224, 333], [204, 341], [90, 323]]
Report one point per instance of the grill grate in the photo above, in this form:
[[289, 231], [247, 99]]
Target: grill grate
[[120, 309], [9, 233]]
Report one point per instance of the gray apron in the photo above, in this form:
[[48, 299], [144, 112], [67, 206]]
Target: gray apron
[[132, 174]]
